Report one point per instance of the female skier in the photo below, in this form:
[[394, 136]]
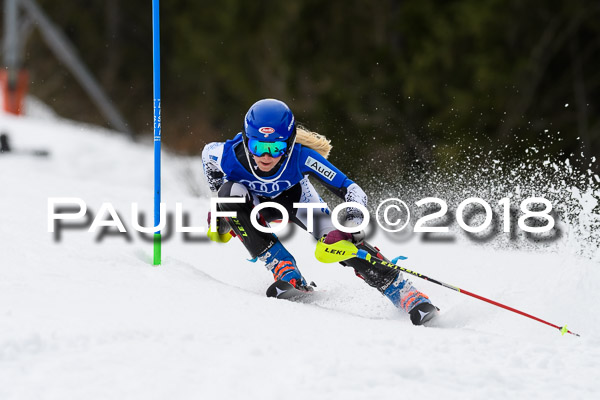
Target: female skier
[[270, 160]]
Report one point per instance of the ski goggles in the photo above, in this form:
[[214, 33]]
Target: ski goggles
[[274, 149]]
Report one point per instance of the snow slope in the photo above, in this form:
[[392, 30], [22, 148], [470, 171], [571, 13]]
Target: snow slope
[[88, 319]]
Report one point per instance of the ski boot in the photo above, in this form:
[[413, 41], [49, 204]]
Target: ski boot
[[283, 266], [390, 282], [405, 296]]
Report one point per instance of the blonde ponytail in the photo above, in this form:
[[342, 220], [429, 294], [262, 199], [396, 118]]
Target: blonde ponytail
[[313, 140]]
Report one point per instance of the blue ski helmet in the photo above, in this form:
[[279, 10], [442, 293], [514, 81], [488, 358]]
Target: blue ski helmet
[[269, 127]]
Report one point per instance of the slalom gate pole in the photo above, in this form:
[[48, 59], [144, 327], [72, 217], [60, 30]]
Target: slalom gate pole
[[344, 250], [157, 126]]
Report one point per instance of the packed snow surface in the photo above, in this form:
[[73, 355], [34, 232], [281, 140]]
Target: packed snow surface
[[86, 316]]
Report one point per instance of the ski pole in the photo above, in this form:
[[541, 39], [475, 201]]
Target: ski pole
[[344, 250], [157, 127]]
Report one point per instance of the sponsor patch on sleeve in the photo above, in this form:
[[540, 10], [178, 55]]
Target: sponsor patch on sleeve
[[320, 168]]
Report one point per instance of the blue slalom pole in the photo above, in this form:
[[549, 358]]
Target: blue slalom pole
[[157, 127]]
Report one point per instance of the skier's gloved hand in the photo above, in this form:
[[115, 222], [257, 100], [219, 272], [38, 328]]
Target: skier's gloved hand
[[336, 235], [223, 233], [358, 237]]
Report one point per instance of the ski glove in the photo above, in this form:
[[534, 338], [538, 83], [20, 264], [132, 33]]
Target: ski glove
[[223, 233], [336, 235]]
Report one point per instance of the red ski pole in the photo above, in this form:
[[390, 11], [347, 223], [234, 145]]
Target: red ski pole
[[344, 250]]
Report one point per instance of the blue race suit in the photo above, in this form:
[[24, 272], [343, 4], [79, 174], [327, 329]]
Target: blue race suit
[[225, 162]]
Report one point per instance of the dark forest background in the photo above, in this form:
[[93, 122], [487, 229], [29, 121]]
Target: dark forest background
[[393, 83]]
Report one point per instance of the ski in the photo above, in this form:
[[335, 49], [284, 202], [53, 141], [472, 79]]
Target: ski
[[423, 313], [285, 290]]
